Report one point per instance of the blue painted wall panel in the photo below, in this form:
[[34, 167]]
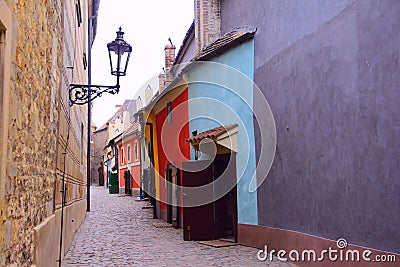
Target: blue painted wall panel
[[221, 93]]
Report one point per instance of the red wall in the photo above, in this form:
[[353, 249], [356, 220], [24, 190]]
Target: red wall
[[135, 170], [171, 139], [135, 173], [121, 177]]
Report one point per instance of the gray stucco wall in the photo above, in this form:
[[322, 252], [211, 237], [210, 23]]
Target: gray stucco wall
[[330, 71], [189, 53], [99, 141]]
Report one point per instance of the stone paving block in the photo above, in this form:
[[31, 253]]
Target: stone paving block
[[118, 232]]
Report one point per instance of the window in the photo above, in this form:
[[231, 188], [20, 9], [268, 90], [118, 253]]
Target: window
[[82, 149], [129, 153], [136, 151], [122, 155], [78, 12], [6, 46], [2, 44], [169, 114], [3, 120], [84, 61]]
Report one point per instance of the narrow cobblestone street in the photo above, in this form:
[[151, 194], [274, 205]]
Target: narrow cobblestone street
[[118, 232]]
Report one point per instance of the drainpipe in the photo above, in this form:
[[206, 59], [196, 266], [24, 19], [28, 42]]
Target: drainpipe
[[117, 162], [89, 115], [152, 198], [139, 137]]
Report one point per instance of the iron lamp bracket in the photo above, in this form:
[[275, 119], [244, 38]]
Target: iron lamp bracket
[[81, 94]]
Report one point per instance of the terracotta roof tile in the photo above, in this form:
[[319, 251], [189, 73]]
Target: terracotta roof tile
[[227, 40], [128, 132], [212, 133], [103, 127], [133, 128]]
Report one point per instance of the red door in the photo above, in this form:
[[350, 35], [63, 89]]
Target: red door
[[198, 222]]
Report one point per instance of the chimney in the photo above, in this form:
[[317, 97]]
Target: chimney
[[139, 103], [148, 94], [161, 82], [169, 61], [169, 56], [207, 22]]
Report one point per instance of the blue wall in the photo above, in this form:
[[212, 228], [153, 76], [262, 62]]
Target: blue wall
[[222, 94]]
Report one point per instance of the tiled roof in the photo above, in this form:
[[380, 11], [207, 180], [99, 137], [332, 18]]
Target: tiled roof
[[103, 127], [226, 41], [212, 134], [128, 132], [132, 129]]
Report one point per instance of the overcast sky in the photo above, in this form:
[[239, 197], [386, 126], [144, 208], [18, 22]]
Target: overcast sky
[[147, 26]]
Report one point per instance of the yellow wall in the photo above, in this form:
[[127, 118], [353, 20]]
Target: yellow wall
[[152, 119]]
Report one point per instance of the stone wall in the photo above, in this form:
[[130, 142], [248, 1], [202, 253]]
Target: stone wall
[[40, 127]]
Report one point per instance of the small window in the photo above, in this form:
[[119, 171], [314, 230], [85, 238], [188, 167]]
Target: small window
[[84, 61], [122, 155], [136, 151], [169, 114], [78, 12], [129, 153], [82, 149]]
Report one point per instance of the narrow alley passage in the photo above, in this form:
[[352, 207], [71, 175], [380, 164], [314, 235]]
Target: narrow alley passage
[[118, 232]]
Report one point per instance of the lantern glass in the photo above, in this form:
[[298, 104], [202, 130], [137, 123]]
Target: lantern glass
[[119, 52]]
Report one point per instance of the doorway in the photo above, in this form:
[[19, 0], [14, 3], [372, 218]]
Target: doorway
[[217, 219], [173, 193], [226, 206], [128, 187]]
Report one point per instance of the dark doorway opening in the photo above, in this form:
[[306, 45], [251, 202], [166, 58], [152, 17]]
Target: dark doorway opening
[[101, 176], [226, 206], [128, 187], [217, 219], [173, 193], [169, 195]]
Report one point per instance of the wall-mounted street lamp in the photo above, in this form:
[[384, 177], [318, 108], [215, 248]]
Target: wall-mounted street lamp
[[119, 52]]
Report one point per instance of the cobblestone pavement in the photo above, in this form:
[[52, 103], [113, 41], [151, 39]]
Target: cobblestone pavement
[[118, 232]]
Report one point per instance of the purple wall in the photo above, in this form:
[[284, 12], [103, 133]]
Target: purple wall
[[330, 71]]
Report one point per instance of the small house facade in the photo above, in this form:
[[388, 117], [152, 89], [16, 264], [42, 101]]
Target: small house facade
[[129, 160]]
